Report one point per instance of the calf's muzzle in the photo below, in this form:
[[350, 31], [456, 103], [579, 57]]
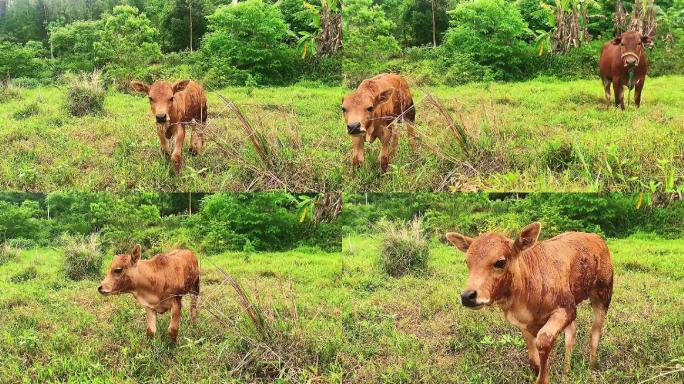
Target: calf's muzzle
[[354, 129], [161, 118], [469, 298]]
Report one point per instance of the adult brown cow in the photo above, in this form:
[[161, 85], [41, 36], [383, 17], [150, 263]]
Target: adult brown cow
[[158, 284], [624, 63], [175, 106], [371, 109], [538, 285]]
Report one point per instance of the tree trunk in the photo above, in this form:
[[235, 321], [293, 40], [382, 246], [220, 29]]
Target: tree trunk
[[190, 19], [434, 28]]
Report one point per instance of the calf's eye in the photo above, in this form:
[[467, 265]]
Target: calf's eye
[[344, 109], [118, 270], [369, 109], [500, 264]]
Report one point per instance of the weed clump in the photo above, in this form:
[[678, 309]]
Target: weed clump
[[27, 274], [403, 247], [8, 91], [29, 110], [85, 94], [82, 256], [8, 253]]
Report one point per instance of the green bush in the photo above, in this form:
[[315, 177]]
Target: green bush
[[85, 94], [82, 256], [493, 33], [27, 60], [247, 41], [27, 110], [368, 41], [73, 45], [403, 247]]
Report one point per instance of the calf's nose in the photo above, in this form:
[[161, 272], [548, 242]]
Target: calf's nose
[[161, 118], [631, 62], [99, 289], [469, 298], [354, 128]]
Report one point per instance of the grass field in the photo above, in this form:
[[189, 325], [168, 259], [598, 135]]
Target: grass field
[[413, 329], [328, 318], [531, 136]]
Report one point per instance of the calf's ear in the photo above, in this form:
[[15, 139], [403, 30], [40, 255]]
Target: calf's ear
[[140, 87], [617, 40], [528, 236], [384, 96], [646, 39], [459, 241], [135, 254], [179, 86]]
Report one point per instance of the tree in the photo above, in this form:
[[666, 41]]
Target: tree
[[74, 44], [247, 42], [127, 44]]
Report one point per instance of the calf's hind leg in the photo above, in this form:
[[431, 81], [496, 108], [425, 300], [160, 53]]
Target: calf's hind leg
[[174, 324], [197, 139], [600, 310], [570, 338]]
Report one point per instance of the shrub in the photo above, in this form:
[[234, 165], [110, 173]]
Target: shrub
[[85, 94], [247, 40], [8, 253], [493, 33], [82, 256], [26, 60], [403, 247], [368, 40]]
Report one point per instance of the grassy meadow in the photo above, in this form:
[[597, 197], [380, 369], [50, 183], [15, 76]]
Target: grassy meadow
[[327, 318], [532, 136], [413, 328]]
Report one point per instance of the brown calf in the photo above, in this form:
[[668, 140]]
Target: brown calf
[[175, 106], [624, 63], [158, 284], [538, 285], [371, 109]]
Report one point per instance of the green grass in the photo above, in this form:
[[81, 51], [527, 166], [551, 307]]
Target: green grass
[[413, 328], [330, 318], [57, 330], [531, 136]]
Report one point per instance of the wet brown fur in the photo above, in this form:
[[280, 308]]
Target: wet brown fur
[[158, 284], [613, 69], [181, 103], [390, 97], [541, 285]]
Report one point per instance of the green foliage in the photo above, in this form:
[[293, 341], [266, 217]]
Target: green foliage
[[82, 256], [245, 41], [126, 44], [23, 60], [85, 94], [493, 33], [8, 91], [27, 274], [74, 45], [171, 19], [368, 40], [20, 220], [403, 247]]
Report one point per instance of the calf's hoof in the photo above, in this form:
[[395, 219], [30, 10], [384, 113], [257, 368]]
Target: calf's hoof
[[384, 164], [150, 334], [173, 335]]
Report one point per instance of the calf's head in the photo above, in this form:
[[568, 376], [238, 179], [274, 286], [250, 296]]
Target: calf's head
[[122, 272], [358, 108], [489, 258], [161, 95], [631, 44]]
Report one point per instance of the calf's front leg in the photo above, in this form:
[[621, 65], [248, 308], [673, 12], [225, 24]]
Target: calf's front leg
[[174, 324], [357, 150], [177, 156], [151, 322], [546, 338], [161, 132], [532, 352]]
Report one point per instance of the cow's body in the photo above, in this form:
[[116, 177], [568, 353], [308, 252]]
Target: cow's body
[[540, 285], [176, 106], [371, 109], [158, 284], [620, 57]]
